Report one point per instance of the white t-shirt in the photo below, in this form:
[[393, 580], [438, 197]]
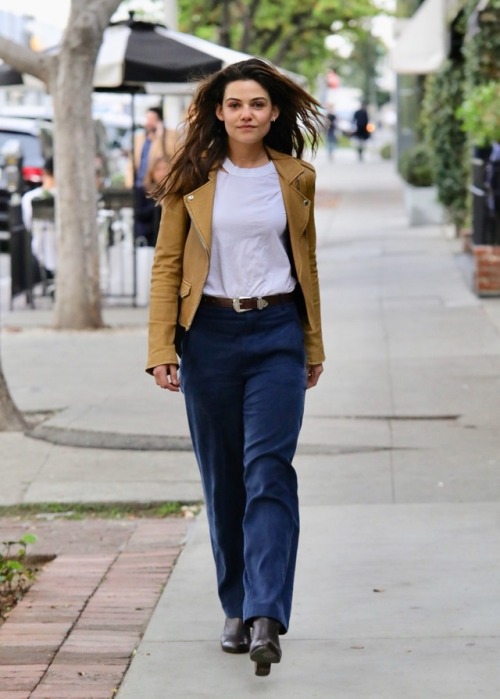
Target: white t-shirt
[[248, 254]]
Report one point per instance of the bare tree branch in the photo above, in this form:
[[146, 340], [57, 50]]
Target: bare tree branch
[[25, 60], [86, 17]]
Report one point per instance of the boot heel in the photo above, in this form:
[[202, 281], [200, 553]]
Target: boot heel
[[262, 669]]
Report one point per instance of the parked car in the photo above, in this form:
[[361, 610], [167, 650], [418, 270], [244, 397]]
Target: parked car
[[113, 133], [35, 137]]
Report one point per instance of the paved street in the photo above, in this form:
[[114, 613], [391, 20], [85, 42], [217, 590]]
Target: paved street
[[399, 467]]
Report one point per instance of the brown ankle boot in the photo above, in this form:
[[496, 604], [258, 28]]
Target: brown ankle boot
[[235, 636], [265, 646]]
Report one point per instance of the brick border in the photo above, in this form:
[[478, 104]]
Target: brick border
[[487, 270], [74, 634]]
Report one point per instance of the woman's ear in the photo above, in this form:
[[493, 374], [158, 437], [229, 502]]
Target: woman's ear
[[218, 112], [275, 112]]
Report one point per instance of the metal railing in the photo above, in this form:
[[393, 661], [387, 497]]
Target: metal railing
[[125, 262]]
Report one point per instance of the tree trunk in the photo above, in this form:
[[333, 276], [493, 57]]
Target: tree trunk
[[11, 420], [69, 77], [78, 300], [78, 297]]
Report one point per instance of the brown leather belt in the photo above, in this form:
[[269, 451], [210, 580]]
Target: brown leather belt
[[247, 303]]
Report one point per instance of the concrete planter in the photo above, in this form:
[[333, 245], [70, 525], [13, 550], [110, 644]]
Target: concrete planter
[[487, 270], [422, 205]]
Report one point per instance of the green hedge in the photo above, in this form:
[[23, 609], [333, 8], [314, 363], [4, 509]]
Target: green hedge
[[415, 166], [447, 140]]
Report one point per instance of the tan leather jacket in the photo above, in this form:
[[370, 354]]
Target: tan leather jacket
[[182, 258]]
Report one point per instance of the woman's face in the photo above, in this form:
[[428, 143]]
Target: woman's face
[[246, 111]]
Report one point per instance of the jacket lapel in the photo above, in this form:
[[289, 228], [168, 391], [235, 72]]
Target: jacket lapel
[[199, 204], [297, 204]]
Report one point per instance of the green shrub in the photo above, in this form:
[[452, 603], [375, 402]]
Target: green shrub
[[482, 46], [386, 151], [480, 113], [447, 140], [15, 575], [415, 166]]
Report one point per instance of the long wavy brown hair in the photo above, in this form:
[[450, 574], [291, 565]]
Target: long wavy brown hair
[[204, 142]]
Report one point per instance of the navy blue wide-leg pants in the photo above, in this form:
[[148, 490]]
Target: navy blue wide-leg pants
[[243, 377]]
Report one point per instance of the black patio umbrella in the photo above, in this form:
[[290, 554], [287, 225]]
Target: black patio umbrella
[[135, 55]]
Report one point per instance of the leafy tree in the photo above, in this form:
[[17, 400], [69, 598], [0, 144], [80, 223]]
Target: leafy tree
[[360, 68], [291, 34]]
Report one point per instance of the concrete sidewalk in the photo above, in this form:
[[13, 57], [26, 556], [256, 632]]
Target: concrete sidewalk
[[398, 572]]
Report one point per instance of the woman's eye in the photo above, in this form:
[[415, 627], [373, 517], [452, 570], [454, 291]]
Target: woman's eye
[[254, 105]]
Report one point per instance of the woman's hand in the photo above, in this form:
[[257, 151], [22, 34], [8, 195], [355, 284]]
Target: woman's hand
[[314, 371], [166, 376]]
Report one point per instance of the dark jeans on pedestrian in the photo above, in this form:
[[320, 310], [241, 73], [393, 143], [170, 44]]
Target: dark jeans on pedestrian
[[244, 379]]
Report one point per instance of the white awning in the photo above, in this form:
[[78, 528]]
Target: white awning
[[423, 41]]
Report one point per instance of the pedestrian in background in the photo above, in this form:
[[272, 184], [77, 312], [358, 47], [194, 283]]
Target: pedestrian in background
[[235, 266], [361, 133], [331, 131], [149, 145], [43, 232]]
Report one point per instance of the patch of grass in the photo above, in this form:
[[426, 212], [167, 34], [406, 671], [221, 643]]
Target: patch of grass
[[344, 141], [106, 510], [16, 575]]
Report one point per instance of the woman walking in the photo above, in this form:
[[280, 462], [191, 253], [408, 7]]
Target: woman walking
[[235, 267]]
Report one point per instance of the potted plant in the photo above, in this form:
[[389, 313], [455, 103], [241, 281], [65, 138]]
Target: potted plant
[[416, 169]]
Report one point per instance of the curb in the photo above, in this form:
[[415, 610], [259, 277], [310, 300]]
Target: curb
[[109, 440], [91, 439]]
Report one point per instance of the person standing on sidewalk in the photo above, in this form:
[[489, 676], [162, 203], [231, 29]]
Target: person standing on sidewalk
[[43, 232], [235, 266], [361, 133], [331, 131], [153, 143]]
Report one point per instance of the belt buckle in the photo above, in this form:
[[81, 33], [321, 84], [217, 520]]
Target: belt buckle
[[237, 306], [261, 303]]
